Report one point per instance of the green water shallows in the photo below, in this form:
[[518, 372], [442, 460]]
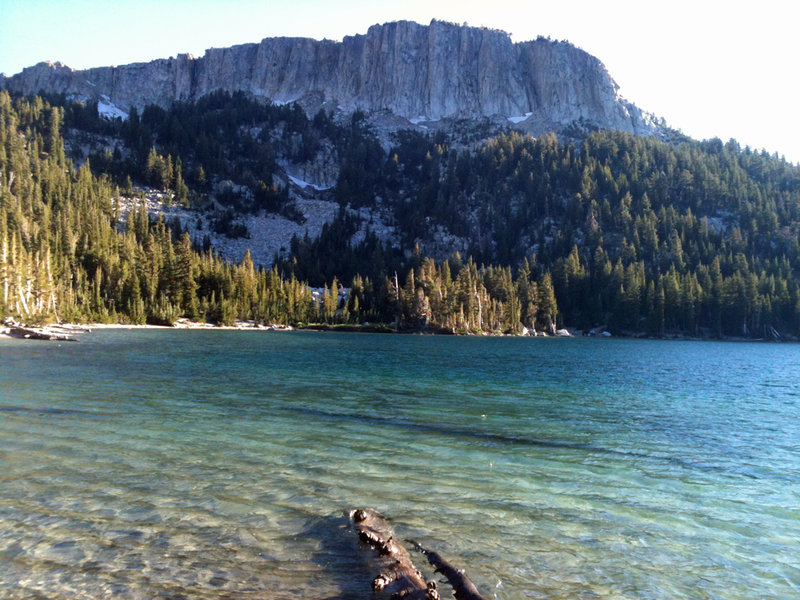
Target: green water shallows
[[199, 464]]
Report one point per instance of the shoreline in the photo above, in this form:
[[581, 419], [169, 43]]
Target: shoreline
[[66, 331], [56, 331]]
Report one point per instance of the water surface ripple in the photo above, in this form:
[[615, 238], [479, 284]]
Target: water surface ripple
[[197, 464]]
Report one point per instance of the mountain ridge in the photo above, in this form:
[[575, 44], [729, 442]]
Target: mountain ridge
[[422, 73]]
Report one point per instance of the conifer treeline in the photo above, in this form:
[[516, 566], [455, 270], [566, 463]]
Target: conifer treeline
[[64, 257], [630, 232], [643, 235], [640, 235]]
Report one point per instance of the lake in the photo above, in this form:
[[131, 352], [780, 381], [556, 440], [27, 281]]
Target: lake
[[218, 464]]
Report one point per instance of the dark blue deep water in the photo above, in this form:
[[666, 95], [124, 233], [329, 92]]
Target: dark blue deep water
[[217, 464]]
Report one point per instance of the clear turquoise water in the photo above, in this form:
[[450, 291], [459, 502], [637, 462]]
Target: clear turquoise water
[[197, 464]]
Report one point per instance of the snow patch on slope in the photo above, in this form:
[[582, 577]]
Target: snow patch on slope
[[304, 184], [277, 102], [108, 110], [520, 119]]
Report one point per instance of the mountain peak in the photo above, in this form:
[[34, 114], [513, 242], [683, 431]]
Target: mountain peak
[[415, 72]]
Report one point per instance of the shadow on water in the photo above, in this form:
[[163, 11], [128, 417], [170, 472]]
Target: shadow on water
[[48, 411], [43, 411], [503, 438], [341, 560]]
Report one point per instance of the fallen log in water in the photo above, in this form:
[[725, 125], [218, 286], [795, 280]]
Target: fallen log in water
[[397, 574], [463, 588]]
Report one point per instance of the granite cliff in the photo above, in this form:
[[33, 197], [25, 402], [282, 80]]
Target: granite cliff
[[402, 69]]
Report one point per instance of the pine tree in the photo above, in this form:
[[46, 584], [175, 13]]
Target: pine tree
[[547, 307]]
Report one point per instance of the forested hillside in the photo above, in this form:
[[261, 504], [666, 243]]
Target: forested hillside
[[636, 234], [64, 256], [639, 234]]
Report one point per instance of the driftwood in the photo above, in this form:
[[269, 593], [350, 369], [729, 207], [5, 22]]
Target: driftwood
[[35, 333], [397, 573], [463, 588]]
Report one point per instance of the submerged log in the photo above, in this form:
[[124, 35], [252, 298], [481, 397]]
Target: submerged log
[[463, 588], [397, 574]]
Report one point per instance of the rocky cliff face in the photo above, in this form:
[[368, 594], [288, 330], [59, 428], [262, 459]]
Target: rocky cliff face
[[439, 71]]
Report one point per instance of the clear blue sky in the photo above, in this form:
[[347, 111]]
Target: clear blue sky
[[711, 68]]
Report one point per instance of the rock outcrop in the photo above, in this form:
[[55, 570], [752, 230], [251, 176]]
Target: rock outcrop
[[418, 72]]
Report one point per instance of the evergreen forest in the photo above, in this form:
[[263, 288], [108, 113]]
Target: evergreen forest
[[634, 235]]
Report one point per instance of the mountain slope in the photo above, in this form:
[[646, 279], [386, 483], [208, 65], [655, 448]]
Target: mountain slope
[[585, 229], [621, 231]]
